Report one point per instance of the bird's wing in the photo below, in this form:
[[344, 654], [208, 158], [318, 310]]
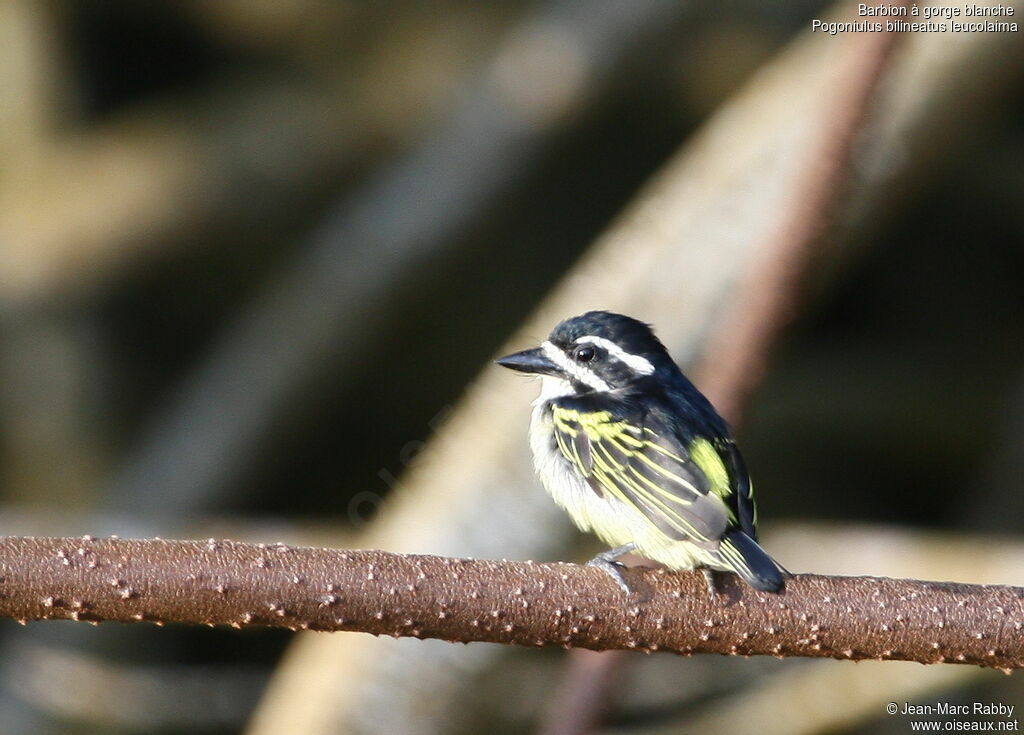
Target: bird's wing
[[741, 495], [636, 458]]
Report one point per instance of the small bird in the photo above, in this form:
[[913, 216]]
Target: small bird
[[625, 443]]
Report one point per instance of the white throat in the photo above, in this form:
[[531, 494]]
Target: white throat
[[552, 387]]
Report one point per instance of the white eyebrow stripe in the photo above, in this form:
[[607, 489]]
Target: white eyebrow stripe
[[640, 364], [577, 372]]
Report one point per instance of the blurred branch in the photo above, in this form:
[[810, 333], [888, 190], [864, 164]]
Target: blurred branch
[[28, 82], [313, 319], [99, 198], [110, 696], [815, 698], [770, 295], [586, 693], [461, 600]]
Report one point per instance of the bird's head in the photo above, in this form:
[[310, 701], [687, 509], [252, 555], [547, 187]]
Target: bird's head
[[595, 352]]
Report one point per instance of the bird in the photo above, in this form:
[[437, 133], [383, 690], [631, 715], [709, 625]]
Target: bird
[[635, 453]]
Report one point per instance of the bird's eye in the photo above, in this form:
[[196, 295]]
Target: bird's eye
[[586, 353]]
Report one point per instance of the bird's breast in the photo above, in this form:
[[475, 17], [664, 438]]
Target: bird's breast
[[613, 521]]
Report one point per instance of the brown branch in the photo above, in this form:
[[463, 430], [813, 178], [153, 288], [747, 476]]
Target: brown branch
[[523, 603], [589, 690], [771, 294]]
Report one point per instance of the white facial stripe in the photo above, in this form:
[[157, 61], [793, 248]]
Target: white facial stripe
[[572, 369], [639, 364]]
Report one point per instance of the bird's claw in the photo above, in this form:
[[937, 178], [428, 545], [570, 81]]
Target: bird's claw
[[709, 580], [608, 562], [613, 569]]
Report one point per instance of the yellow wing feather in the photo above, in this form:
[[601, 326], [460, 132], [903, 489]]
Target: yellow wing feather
[[655, 476]]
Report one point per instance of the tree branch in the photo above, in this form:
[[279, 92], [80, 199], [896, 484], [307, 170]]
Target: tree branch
[[523, 603]]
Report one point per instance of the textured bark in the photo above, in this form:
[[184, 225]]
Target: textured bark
[[523, 603]]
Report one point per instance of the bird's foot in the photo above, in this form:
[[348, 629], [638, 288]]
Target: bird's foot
[[609, 563], [613, 569]]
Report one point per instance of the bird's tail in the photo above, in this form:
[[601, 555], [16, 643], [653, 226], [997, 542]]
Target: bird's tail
[[751, 562]]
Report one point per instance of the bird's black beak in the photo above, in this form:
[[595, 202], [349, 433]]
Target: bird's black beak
[[530, 361]]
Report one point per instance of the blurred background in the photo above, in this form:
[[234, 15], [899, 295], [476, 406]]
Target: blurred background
[[253, 253]]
